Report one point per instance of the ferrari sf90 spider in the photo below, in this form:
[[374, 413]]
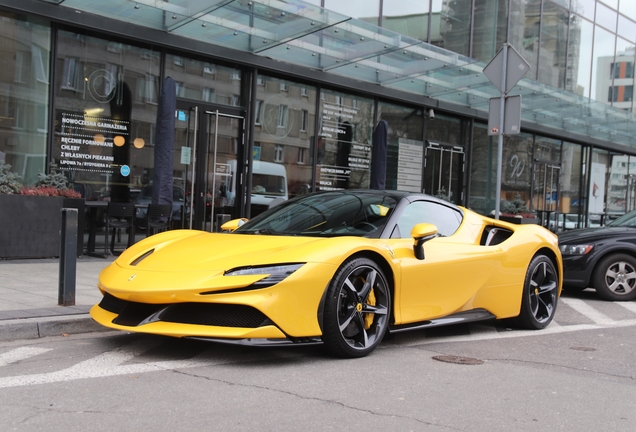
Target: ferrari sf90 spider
[[339, 268]]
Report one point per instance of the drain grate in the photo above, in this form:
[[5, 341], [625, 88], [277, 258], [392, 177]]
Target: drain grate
[[458, 360], [582, 348]]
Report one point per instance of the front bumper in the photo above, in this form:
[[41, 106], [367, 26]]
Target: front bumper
[[200, 320]]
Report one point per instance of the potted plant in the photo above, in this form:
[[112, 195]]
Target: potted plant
[[31, 216], [516, 211]]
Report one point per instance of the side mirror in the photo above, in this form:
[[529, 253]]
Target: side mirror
[[422, 233], [233, 224]]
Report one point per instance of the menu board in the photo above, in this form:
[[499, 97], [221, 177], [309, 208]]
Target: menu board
[[345, 155], [409, 173], [86, 143]]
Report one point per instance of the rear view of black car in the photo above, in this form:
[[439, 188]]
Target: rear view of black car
[[603, 258]]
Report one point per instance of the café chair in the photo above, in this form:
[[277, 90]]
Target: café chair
[[119, 215], [158, 218]]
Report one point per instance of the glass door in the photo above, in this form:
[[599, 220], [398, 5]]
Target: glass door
[[207, 146], [546, 195], [443, 170]]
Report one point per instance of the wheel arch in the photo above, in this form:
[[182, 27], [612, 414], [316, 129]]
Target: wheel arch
[[384, 266], [555, 261], [605, 254]]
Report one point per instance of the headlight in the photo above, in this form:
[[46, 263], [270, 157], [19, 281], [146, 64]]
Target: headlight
[[276, 273], [576, 249]]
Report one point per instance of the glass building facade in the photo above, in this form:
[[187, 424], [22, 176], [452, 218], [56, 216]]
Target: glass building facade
[[265, 115]]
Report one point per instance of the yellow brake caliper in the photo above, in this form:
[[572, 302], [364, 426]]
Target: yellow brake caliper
[[368, 318]]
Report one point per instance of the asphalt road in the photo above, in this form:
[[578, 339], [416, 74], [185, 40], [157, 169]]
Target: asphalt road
[[577, 375]]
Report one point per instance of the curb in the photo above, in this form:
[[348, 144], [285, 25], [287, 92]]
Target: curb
[[34, 328]]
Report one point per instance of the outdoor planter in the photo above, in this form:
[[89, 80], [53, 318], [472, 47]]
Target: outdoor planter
[[30, 225]]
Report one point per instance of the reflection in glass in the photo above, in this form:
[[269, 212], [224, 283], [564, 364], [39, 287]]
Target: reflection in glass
[[365, 10], [344, 141], [483, 171], [571, 178], [622, 74], [108, 89], [285, 131], [24, 99], [407, 17], [450, 25], [554, 35], [580, 55], [584, 8], [489, 32], [605, 17], [405, 146], [604, 43]]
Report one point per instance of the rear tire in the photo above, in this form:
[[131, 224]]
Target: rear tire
[[357, 308], [615, 278], [540, 294]]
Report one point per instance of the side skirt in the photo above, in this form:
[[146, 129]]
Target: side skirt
[[460, 317]]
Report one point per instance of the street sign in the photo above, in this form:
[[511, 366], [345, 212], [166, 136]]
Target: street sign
[[512, 115], [516, 68]]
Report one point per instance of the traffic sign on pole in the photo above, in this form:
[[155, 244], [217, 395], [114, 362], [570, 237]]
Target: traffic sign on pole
[[512, 116], [504, 70], [516, 68]]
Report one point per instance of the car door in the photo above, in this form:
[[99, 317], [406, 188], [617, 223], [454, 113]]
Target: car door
[[454, 267]]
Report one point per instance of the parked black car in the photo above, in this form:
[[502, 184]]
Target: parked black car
[[603, 258]]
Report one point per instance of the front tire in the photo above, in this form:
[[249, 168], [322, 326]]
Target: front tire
[[540, 294], [357, 308], [615, 278]]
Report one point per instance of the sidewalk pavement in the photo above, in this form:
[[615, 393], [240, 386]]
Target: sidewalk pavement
[[29, 298]]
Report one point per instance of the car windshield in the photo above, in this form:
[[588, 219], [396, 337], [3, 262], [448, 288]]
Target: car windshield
[[329, 214], [627, 220]]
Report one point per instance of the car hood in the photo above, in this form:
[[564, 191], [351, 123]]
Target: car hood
[[593, 234], [210, 252]]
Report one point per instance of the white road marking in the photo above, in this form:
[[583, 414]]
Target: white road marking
[[21, 353], [585, 309], [553, 328], [111, 363], [630, 306]]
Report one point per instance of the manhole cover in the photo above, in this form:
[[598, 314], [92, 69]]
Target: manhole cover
[[583, 348], [458, 360]]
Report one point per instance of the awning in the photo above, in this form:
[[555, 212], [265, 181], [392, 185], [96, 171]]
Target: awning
[[307, 35]]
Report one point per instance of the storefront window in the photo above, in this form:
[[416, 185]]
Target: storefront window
[[344, 142], [597, 191], [25, 96], [571, 180], [204, 81], [283, 140], [483, 172], [444, 157], [106, 98], [516, 172], [405, 146]]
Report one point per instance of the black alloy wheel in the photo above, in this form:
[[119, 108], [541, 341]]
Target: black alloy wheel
[[615, 278], [357, 308], [540, 294]]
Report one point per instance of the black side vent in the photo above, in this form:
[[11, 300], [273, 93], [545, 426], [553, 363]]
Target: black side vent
[[493, 236]]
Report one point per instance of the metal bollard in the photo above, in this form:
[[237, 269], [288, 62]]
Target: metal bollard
[[68, 258]]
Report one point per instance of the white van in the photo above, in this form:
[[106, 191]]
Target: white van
[[269, 183]]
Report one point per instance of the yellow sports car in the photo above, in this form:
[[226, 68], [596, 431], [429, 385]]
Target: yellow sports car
[[340, 268]]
